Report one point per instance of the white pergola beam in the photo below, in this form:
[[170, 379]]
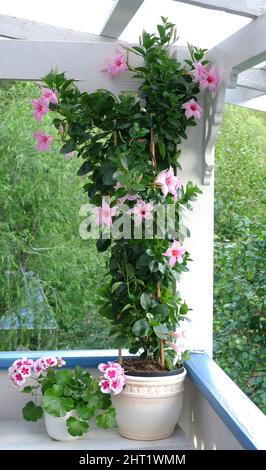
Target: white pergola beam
[[122, 13], [254, 79], [19, 28], [248, 8], [242, 50], [82, 61], [246, 98]]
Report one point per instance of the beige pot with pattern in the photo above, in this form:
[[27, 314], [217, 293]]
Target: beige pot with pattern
[[149, 406]]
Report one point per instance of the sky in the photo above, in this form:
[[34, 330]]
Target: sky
[[201, 27]]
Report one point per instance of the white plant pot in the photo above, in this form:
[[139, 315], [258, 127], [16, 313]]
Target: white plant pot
[[56, 427], [149, 407]]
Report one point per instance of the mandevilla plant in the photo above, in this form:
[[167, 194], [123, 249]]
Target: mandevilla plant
[[62, 391], [129, 147]]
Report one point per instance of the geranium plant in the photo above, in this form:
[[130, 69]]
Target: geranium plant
[[58, 392], [129, 147]]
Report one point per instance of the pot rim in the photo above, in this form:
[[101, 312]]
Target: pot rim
[[165, 373]]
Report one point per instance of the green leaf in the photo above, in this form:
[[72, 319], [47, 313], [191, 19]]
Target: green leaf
[[161, 331], [116, 285], [56, 405], [76, 427], [103, 244], [126, 307], [138, 187], [63, 376], [140, 328], [120, 342], [162, 149], [85, 168], [160, 309], [183, 309], [145, 301], [143, 260], [106, 420], [27, 389], [67, 148], [85, 411], [32, 412]]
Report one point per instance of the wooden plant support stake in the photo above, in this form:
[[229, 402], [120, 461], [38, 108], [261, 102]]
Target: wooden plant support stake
[[152, 145], [161, 357]]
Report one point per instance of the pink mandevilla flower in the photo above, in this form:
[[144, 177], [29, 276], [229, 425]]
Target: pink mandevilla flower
[[40, 108], [199, 71], [168, 182], [116, 65], [175, 347], [49, 96], [127, 197], [141, 211], [211, 80], [43, 141], [104, 214], [180, 334], [175, 252], [192, 109]]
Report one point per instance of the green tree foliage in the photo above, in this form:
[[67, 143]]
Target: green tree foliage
[[239, 283], [40, 199]]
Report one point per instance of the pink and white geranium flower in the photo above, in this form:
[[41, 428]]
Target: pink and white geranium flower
[[142, 211], [105, 386], [116, 65], [40, 108], [38, 367], [22, 369], [49, 95], [104, 214], [17, 379], [114, 377], [175, 253], [210, 81], [192, 109], [43, 141], [168, 182], [117, 385]]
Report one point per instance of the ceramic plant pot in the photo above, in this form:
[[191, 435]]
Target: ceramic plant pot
[[150, 405], [56, 427]]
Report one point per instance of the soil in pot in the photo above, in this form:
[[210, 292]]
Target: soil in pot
[[147, 368]]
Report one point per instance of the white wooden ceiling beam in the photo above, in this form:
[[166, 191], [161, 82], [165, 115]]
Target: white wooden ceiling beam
[[254, 79], [122, 13], [242, 50], [246, 98], [248, 8], [19, 28]]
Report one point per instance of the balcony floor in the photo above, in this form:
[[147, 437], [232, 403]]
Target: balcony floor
[[16, 435]]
